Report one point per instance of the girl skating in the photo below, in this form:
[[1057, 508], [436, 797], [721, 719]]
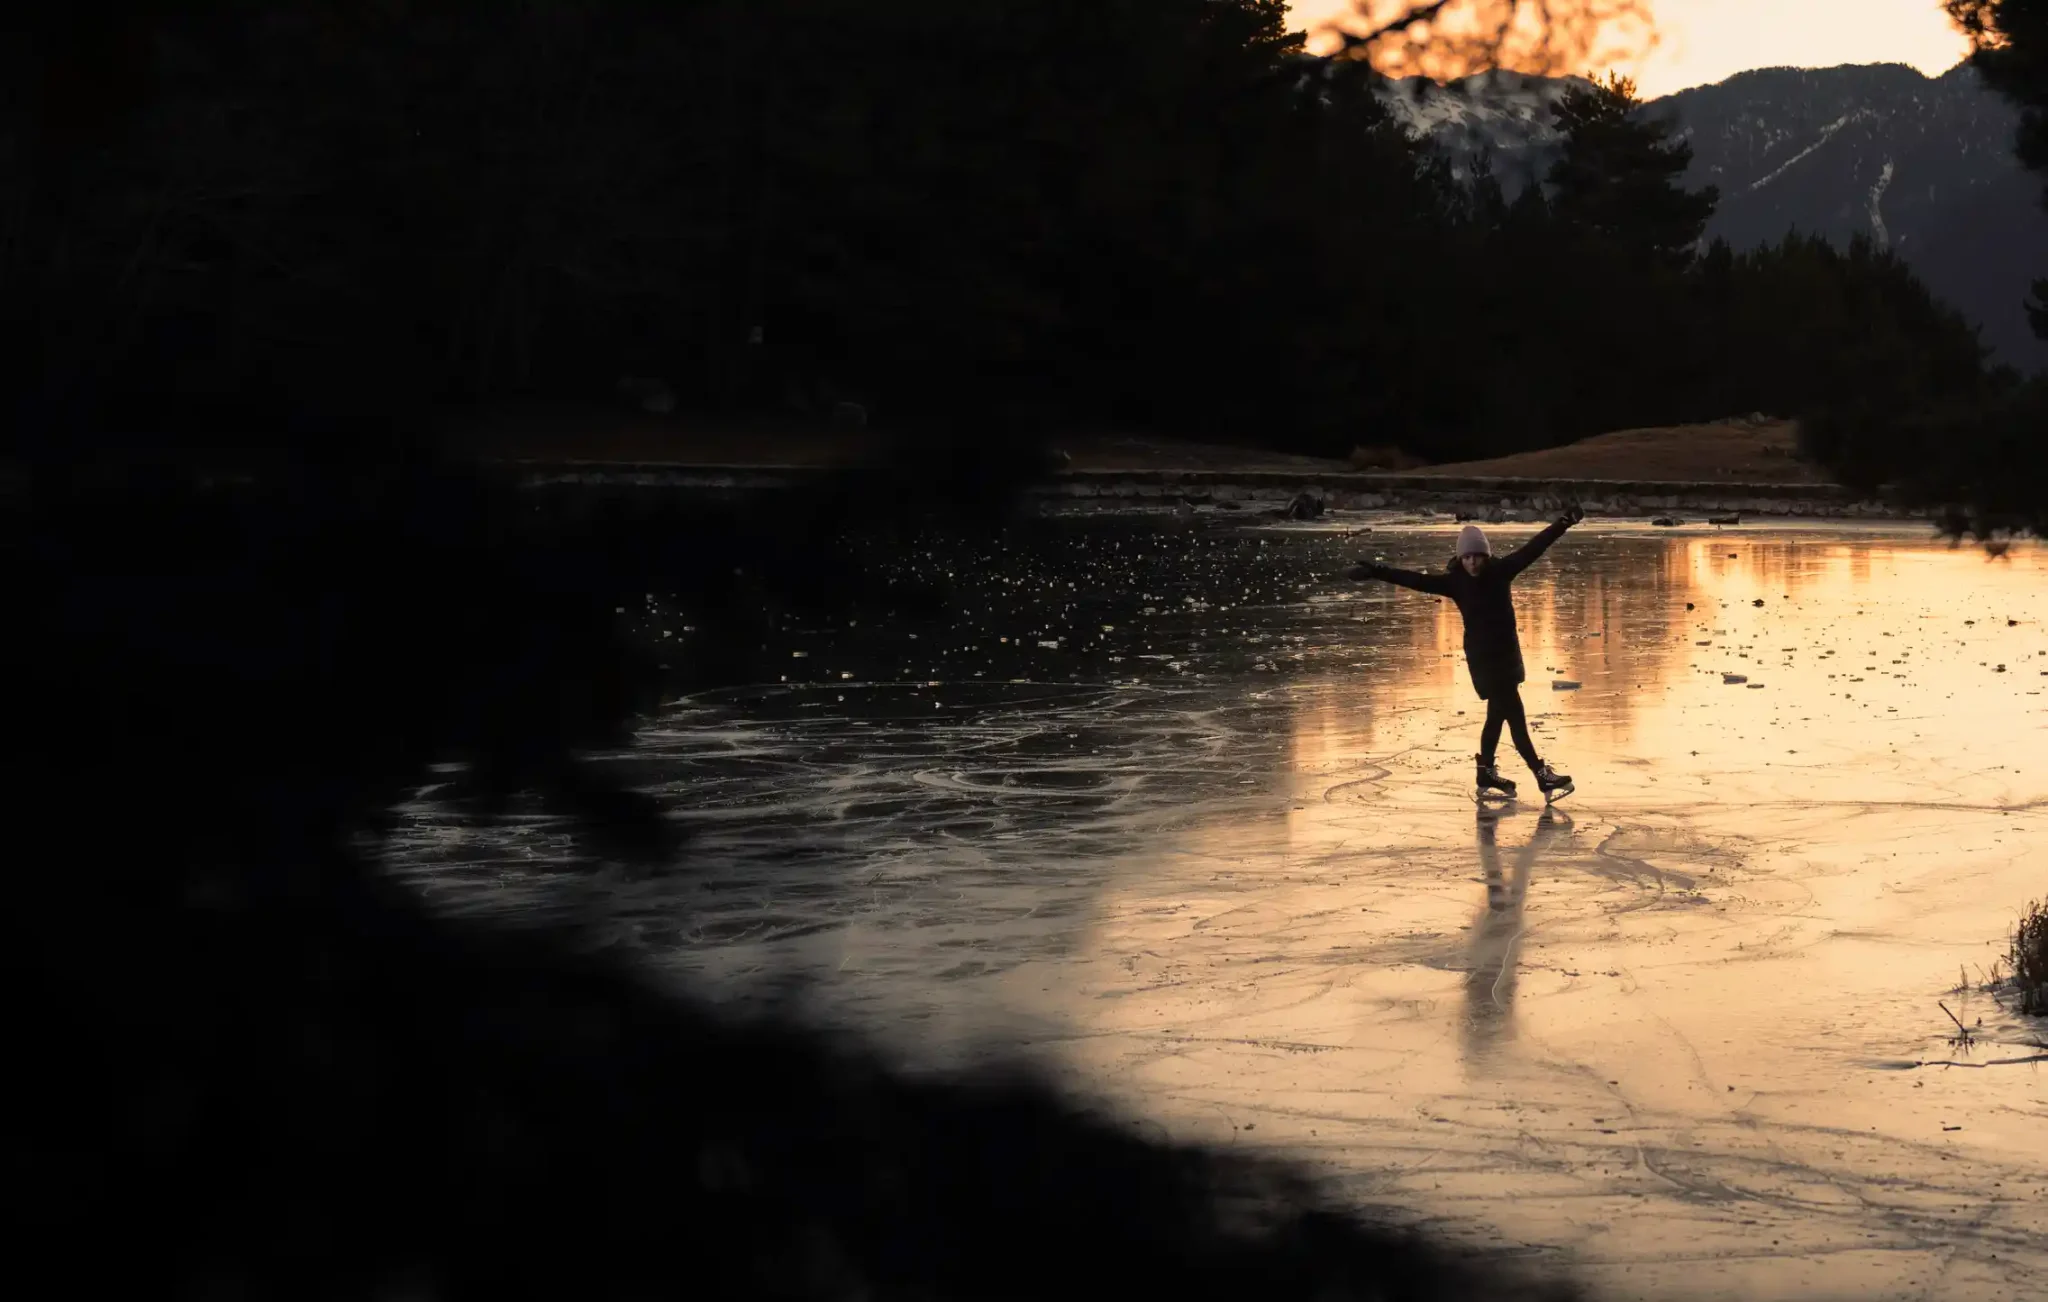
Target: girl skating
[[1480, 585]]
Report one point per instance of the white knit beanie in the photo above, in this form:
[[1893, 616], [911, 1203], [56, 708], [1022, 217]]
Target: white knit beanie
[[1472, 541]]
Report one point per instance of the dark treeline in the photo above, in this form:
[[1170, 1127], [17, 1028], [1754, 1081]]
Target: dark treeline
[[1014, 214]]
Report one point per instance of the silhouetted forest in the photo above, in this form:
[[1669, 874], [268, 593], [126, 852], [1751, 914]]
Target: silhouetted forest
[[1152, 214]]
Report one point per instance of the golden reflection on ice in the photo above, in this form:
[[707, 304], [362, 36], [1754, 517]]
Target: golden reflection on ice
[[1678, 1018]]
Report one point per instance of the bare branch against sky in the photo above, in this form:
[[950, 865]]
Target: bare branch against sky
[[1978, 20], [1448, 39]]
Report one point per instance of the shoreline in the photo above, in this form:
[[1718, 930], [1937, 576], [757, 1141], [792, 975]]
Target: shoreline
[[1498, 499]]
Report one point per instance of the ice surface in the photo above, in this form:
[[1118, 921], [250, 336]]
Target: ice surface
[[1212, 857]]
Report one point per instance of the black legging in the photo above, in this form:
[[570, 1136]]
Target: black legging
[[1506, 707]]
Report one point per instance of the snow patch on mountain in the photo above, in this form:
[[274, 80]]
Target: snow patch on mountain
[[1501, 108], [1827, 133], [1884, 182]]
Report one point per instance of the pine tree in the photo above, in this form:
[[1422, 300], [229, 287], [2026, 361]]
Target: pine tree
[[1618, 177]]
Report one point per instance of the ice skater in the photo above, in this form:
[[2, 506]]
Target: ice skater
[[1480, 585]]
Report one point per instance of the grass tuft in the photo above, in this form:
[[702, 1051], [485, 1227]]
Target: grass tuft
[[2030, 958]]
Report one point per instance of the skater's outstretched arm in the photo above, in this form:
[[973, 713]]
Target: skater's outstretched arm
[[1524, 556], [1435, 584]]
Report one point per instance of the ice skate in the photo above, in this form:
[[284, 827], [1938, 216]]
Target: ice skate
[[1491, 785], [1553, 783]]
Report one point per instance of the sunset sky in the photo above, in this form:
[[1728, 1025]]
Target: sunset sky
[[1702, 41]]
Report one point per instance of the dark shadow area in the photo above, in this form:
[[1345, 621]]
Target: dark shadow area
[[261, 258], [265, 1069]]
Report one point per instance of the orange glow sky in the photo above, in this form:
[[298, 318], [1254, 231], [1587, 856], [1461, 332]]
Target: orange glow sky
[[1703, 41]]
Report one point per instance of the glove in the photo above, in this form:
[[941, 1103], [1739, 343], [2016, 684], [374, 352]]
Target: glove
[[1362, 571], [1572, 515]]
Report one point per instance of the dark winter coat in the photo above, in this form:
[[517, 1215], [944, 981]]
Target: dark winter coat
[[1493, 649]]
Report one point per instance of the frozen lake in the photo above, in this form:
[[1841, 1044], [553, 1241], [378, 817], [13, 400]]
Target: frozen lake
[[1179, 813]]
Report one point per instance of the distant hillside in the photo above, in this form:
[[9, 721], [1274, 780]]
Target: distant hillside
[[1729, 452]]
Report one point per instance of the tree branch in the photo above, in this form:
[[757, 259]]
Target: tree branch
[[1413, 18], [1449, 39]]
